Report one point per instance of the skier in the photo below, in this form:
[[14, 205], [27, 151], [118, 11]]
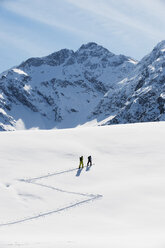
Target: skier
[[89, 161], [81, 162]]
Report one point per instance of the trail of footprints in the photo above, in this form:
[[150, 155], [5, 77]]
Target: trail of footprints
[[88, 198]]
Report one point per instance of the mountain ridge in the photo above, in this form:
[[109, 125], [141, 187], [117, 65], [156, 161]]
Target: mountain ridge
[[144, 91], [72, 88], [61, 89]]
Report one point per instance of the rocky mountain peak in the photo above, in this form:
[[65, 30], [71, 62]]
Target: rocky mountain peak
[[89, 45], [67, 88], [158, 51], [156, 55], [54, 59], [160, 46], [142, 93], [58, 58], [94, 50]]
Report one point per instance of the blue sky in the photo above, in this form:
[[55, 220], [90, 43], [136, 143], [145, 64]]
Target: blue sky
[[31, 28]]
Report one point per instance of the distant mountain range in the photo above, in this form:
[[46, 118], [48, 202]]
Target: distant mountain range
[[91, 86]]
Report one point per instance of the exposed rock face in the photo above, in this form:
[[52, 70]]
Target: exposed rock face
[[60, 90], [67, 89], [141, 96]]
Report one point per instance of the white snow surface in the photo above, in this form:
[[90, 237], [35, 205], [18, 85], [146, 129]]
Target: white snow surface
[[21, 72], [119, 202]]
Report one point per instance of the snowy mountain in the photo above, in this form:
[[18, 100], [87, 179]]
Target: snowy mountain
[[140, 97], [91, 86], [60, 90]]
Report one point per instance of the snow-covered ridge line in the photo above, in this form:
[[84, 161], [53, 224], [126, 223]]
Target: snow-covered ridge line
[[140, 96], [67, 89], [60, 90]]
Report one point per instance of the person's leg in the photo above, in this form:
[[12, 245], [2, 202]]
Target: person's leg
[[81, 164]]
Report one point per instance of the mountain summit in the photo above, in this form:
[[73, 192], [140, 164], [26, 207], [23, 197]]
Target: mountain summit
[[91, 85], [60, 90]]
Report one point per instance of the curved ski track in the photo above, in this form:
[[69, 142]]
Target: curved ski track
[[91, 197]]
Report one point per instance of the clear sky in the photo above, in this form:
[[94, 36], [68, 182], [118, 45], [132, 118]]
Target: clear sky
[[35, 28]]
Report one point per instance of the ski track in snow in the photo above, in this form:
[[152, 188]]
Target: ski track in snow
[[48, 175], [91, 197]]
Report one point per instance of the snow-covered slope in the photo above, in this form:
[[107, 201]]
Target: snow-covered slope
[[92, 85], [119, 202], [140, 97], [60, 90]]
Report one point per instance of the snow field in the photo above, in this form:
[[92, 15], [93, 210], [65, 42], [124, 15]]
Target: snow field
[[128, 173]]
